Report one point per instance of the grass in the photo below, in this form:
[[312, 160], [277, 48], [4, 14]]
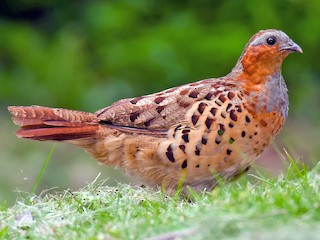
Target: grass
[[44, 166], [255, 207]]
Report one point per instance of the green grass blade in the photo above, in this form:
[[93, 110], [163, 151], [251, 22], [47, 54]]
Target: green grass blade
[[3, 232], [44, 166]]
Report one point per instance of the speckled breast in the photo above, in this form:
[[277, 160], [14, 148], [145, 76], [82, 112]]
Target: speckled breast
[[222, 136]]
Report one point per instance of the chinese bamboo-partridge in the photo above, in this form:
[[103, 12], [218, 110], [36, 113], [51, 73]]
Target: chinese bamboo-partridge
[[188, 134]]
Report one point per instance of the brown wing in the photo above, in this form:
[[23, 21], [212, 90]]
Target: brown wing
[[161, 110]]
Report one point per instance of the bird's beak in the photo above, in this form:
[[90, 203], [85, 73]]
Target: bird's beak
[[291, 46]]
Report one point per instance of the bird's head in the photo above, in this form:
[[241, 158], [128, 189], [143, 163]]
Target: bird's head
[[265, 52]]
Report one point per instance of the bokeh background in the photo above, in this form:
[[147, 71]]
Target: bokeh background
[[87, 54]]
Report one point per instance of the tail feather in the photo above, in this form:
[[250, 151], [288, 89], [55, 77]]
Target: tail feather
[[43, 123], [57, 133]]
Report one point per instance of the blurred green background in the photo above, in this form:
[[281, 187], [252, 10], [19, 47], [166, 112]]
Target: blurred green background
[[87, 54]]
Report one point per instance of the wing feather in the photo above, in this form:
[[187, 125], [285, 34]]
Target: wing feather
[[161, 110]]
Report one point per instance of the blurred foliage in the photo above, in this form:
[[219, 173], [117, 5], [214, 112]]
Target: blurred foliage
[[87, 54]]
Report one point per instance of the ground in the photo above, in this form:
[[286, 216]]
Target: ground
[[254, 207]]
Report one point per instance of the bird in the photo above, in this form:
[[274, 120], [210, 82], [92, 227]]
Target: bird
[[189, 137]]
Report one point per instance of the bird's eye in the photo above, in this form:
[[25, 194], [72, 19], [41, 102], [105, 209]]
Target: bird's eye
[[271, 41]]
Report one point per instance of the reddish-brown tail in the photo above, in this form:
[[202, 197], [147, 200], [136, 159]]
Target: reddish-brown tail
[[56, 124]]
